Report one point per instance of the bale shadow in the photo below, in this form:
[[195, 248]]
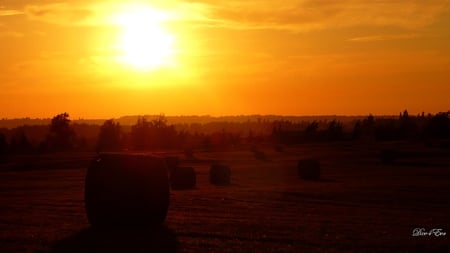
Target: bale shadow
[[91, 239]]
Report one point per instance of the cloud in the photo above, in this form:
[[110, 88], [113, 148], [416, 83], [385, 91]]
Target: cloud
[[385, 37], [11, 34], [295, 15], [9, 12], [320, 14], [59, 13]]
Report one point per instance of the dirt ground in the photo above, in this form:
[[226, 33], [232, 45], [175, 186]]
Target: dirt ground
[[359, 205]]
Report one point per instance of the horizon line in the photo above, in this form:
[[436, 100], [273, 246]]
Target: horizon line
[[216, 116]]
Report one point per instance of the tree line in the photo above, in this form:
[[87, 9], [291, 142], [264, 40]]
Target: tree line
[[63, 135]]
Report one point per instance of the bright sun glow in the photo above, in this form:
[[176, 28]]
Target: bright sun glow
[[144, 42]]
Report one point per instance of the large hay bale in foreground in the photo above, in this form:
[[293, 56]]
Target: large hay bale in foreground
[[183, 178], [220, 174], [309, 169], [126, 190]]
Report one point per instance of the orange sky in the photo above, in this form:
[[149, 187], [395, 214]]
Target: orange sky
[[236, 57]]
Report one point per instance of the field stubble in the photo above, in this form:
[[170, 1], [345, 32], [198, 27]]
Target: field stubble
[[359, 205]]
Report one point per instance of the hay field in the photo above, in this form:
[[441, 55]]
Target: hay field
[[359, 205]]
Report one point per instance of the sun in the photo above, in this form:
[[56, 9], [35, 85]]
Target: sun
[[144, 43]]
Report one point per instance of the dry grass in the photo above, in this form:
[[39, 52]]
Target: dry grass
[[183, 178], [309, 169], [220, 174]]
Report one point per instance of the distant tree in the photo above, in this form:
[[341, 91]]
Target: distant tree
[[140, 134], [3, 144], [154, 134], [438, 126], [61, 135], [357, 129], [250, 136], [162, 135], [110, 136], [405, 115], [20, 142], [370, 120], [408, 126], [368, 126], [387, 130], [335, 130], [311, 129]]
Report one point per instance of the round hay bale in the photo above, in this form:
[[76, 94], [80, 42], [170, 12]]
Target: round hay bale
[[172, 163], [279, 148], [189, 153], [309, 169], [261, 155], [389, 156], [183, 178], [220, 174], [126, 190]]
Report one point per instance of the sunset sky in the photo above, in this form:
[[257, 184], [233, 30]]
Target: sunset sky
[[107, 58]]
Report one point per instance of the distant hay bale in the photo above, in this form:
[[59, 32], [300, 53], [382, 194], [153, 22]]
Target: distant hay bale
[[279, 148], [183, 178], [189, 153], [220, 174], [389, 156], [260, 155], [309, 169], [172, 163], [126, 190]]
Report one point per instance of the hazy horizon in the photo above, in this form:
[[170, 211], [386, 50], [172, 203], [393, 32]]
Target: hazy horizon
[[106, 58], [222, 116]]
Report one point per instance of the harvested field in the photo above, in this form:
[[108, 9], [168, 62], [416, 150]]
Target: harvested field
[[359, 205]]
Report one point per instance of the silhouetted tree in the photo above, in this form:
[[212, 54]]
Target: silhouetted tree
[[154, 134], [139, 133], [3, 145], [405, 115], [386, 130], [335, 130], [20, 142], [438, 126], [408, 126], [110, 136], [162, 134], [357, 129], [61, 135], [311, 130], [368, 126]]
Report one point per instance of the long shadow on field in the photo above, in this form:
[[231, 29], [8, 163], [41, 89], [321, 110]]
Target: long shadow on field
[[118, 240]]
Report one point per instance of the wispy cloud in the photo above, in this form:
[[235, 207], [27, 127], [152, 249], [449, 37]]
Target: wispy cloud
[[103, 13], [11, 34], [312, 14], [9, 12], [59, 13], [295, 15], [385, 37]]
